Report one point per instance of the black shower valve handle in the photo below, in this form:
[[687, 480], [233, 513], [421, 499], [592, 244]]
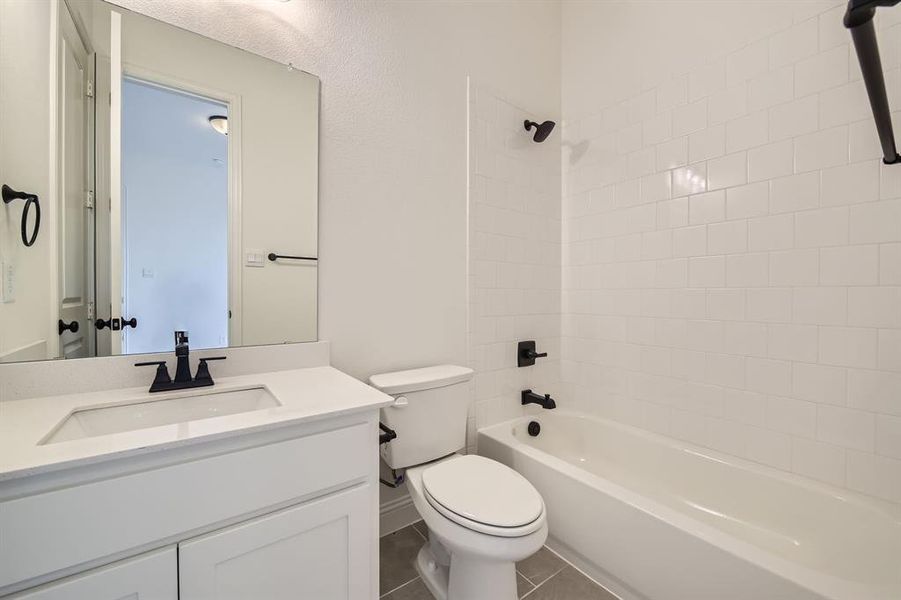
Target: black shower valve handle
[[526, 353]]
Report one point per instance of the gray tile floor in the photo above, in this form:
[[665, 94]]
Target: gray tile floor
[[542, 576]]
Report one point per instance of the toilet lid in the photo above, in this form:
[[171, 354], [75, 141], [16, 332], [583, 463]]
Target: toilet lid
[[483, 491]]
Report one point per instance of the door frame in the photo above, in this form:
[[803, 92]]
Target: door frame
[[115, 175], [234, 235], [52, 228]]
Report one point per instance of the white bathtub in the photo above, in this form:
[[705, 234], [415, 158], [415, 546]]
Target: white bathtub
[[652, 518]]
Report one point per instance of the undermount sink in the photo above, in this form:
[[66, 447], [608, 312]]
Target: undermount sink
[[150, 412]]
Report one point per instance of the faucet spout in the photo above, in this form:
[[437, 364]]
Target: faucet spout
[[530, 397], [182, 351]]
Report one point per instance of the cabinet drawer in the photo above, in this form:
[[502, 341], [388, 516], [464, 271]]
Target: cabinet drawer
[[64, 528], [150, 576]]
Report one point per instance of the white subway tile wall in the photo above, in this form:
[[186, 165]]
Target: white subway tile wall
[[732, 259], [515, 247]]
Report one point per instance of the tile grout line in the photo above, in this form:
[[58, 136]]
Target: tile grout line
[[419, 532], [582, 572], [532, 581], [532, 591], [413, 527], [388, 593]]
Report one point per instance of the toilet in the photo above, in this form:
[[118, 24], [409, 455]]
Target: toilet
[[482, 516]]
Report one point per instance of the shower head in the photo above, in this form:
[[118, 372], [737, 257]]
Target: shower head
[[541, 131]]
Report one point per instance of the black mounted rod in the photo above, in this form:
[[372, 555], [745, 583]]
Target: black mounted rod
[[859, 19]]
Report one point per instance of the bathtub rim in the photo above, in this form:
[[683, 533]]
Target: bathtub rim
[[813, 580]]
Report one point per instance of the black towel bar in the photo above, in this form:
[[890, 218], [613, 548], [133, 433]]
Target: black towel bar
[[274, 257], [9, 195]]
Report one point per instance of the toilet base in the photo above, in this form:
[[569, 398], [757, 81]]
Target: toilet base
[[466, 579], [433, 575]]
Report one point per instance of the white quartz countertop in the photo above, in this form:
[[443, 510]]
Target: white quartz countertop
[[304, 394]]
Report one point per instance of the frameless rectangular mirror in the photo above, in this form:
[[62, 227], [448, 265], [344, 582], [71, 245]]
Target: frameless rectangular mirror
[[155, 180]]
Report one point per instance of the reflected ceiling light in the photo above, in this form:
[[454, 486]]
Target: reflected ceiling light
[[219, 123]]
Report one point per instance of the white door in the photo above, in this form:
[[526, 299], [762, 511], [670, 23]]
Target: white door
[[317, 551], [150, 576], [74, 227]]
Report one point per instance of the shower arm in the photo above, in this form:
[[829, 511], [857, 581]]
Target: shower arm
[[859, 19]]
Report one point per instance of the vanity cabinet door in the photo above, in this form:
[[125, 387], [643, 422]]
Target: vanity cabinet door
[[320, 550], [150, 576]]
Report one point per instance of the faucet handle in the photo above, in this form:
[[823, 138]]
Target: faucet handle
[[162, 372], [203, 376]]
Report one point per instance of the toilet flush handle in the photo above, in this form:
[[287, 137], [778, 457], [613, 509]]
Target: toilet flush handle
[[401, 402]]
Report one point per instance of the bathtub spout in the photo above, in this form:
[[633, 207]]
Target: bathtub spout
[[529, 397]]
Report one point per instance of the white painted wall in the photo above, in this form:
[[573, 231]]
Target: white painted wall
[[732, 244], [25, 76], [175, 219]]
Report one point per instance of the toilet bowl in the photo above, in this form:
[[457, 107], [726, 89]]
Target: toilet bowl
[[482, 515]]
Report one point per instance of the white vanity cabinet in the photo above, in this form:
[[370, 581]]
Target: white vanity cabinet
[[284, 513], [150, 576], [319, 549]]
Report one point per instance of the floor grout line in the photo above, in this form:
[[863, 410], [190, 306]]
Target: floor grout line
[[546, 579], [532, 591], [419, 532], [558, 555], [398, 587]]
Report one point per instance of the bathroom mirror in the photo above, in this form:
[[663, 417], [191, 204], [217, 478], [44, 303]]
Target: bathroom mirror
[[167, 182]]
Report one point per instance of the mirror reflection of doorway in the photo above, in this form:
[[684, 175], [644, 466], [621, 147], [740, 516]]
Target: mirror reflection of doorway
[[174, 218]]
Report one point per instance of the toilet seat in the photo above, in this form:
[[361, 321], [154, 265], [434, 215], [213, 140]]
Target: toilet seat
[[483, 495]]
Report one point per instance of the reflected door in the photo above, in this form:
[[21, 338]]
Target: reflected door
[[74, 225]]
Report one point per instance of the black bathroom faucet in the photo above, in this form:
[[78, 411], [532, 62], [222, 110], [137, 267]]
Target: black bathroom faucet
[[530, 397], [183, 380]]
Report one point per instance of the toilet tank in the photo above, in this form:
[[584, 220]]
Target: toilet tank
[[429, 413]]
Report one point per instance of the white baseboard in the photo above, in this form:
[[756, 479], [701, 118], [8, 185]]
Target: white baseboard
[[397, 514]]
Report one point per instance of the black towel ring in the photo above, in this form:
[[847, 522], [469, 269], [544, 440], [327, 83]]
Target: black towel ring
[[9, 195]]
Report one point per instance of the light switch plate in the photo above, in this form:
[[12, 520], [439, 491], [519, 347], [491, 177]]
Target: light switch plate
[[8, 285], [254, 258]]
